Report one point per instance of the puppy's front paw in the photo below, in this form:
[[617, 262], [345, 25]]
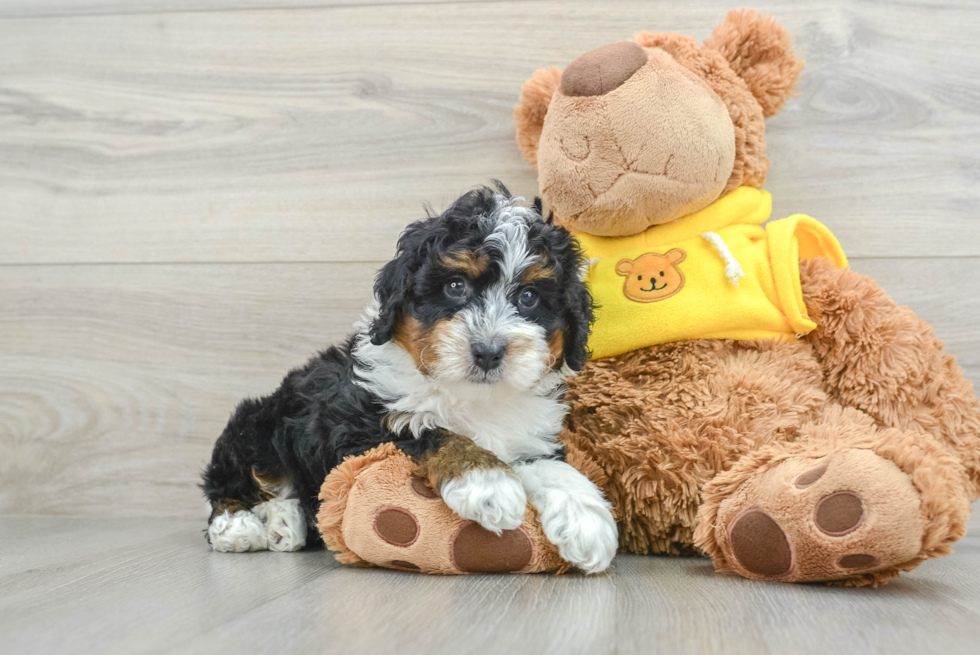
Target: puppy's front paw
[[585, 532], [494, 498]]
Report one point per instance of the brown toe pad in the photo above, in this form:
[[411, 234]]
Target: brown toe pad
[[476, 550], [760, 545]]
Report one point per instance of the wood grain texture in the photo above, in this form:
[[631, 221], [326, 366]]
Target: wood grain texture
[[149, 585], [52, 8], [194, 196], [315, 134], [196, 201], [115, 380]]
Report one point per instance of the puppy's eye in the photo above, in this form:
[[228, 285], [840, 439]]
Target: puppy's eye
[[528, 299], [456, 288]]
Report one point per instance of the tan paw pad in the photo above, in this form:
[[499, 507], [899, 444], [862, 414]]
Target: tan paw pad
[[822, 518], [394, 519]]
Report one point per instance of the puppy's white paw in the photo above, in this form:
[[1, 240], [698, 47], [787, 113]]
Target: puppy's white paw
[[494, 498], [285, 524], [585, 532], [237, 533], [574, 515]]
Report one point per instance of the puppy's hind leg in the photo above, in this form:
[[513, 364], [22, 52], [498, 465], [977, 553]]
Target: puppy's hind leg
[[277, 524], [284, 520], [246, 486], [235, 529]]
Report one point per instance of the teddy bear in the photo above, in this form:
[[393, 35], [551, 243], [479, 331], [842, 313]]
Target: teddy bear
[[749, 397], [839, 446]]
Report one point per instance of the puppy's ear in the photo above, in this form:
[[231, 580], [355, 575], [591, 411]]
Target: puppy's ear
[[529, 113], [391, 288], [578, 324], [393, 284], [580, 309]]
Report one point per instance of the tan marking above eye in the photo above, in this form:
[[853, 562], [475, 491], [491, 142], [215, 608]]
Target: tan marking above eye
[[537, 272], [472, 263]]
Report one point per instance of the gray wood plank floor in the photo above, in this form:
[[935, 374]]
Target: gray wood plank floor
[[194, 195], [71, 585]]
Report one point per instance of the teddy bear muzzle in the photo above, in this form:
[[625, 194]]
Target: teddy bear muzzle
[[599, 71]]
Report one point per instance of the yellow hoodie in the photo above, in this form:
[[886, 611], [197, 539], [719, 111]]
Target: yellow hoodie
[[715, 274]]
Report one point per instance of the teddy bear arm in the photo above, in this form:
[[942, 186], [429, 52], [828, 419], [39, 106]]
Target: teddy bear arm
[[881, 358]]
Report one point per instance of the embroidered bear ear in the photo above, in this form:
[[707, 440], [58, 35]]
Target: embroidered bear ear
[[760, 51], [529, 113], [624, 267], [676, 256]]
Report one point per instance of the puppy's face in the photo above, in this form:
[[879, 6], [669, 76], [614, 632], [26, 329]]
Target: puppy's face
[[487, 293]]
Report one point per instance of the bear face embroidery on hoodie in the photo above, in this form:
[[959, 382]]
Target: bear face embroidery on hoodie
[[652, 276]]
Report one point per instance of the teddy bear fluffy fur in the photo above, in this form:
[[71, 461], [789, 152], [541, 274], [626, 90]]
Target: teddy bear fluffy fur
[[688, 438]]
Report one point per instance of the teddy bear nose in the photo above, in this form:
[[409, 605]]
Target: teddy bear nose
[[600, 71]]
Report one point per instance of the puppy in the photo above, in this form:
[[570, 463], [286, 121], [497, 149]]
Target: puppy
[[478, 321]]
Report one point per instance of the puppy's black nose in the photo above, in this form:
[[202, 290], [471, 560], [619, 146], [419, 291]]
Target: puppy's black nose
[[487, 356]]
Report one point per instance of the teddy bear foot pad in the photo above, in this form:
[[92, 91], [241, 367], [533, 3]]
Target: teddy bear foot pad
[[825, 518], [376, 511]]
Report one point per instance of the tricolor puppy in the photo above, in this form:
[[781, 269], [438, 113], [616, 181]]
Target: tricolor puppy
[[479, 319]]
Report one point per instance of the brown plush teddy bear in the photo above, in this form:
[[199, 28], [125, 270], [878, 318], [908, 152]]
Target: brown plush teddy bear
[[750, 396], [842, 446]]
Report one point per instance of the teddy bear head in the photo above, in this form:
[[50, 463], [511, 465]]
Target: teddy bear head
[[643, 132]]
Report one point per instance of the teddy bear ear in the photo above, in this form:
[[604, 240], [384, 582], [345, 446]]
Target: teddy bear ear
[[624, 267], [760, 51], [530, 111]]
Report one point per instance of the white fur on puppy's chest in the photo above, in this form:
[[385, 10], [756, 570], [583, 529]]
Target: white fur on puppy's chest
[[511, 423]]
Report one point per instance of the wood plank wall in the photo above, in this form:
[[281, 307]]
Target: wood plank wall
[[195, 194]]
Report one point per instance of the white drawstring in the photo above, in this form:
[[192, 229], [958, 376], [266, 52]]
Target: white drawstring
[[587, 267], [733, 270]]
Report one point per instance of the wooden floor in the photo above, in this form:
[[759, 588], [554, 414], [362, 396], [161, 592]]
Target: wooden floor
[[71, 585], [194, 196]]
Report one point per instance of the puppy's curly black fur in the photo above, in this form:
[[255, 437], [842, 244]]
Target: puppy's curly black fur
[[451, 272]]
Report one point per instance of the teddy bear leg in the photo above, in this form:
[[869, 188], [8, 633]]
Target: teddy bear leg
[[376, 510], [846, 502], [881, 358]]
